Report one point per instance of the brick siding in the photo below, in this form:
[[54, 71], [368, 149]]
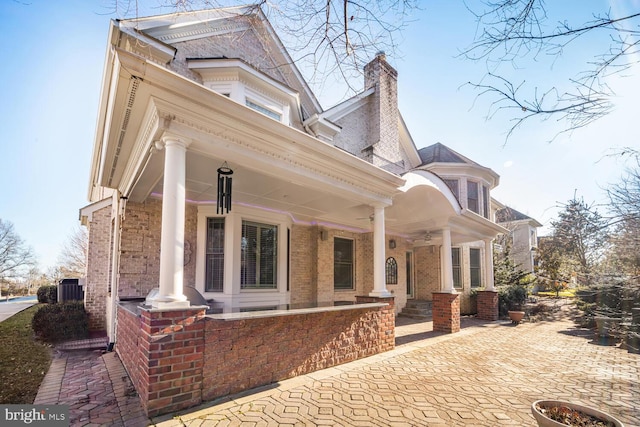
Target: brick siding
[[488, 305], [446, 312], [98, 269], [177, 359]]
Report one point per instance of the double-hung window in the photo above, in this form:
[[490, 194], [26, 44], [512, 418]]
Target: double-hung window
[[342, 263], [485, 201], [259, 256], [474, 267], [456, 264], [472, 197], [214, 256]]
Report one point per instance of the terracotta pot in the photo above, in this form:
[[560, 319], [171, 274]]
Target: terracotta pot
[[516, 316], [544, 421]]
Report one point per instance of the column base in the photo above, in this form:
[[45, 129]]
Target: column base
[[381, 294], [170, 304], [446, 312], [488, 305]]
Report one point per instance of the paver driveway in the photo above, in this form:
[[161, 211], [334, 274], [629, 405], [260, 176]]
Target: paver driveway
[[486, 375]]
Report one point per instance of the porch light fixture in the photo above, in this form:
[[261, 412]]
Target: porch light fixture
[[224, 189], [392, 244]]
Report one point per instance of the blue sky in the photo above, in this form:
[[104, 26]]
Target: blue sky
[[53, 57]]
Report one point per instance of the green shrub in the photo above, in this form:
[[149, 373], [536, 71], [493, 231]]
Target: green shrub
[[48, 294], [511, 297], [59, 322]]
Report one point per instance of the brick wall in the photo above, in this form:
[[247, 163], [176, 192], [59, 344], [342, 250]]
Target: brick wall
[[163, 353], [98, 268], [427, 265], [140, 247], [488, 305], [177, 359], [446, 312], [304, 253], [243, 354]]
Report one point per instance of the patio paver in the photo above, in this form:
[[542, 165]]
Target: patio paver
[[486, 375]]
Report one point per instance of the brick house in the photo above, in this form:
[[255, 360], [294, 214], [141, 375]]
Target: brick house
[[335, 218]]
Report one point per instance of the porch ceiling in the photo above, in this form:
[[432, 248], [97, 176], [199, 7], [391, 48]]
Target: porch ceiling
[[272, 190]]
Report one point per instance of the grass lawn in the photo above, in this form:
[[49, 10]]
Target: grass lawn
[[566, 293], [23, 360]]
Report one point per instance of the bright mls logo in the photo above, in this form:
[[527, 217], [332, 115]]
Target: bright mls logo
[[37, 415]]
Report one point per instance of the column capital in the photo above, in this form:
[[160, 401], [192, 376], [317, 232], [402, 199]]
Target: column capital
[[169, 139]]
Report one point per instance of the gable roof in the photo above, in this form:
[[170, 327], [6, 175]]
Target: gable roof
[[440, 153], [172, 28], [508, 214]]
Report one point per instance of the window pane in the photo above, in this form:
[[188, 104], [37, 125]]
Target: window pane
[[259, 249], [214, 257], [474, 265], [455, 263], [391, 271], [342, 263], [472, 196], [485, 201], [453, 186]]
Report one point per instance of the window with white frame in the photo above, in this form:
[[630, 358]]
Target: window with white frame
[[474, 267], [456, 264], [485, 201], [343, 263], [264, 110], [258, 256], [472, 197], [214, 255]]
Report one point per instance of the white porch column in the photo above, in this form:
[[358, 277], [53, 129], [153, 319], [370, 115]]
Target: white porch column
[[488, 266], [379, 284], [173, 217], [447, 264]]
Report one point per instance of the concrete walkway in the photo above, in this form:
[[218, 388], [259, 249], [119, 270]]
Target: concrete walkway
[[486, 375], [9, 308]]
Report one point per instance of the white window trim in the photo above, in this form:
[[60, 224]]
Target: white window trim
[[232, 295]]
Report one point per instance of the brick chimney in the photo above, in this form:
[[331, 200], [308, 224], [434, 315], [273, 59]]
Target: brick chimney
[[384, 143]]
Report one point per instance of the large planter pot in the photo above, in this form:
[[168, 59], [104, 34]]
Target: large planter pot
[[544, 421], [516, 316]]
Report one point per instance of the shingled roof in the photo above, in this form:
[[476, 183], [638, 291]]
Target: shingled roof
[[440, 153], [509, 214]]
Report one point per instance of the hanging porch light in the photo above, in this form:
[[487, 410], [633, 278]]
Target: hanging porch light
[[224, 189]]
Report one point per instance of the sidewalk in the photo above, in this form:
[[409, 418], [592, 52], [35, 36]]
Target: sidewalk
[[486, 375]]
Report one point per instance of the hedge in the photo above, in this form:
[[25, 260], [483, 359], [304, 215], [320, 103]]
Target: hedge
[[48, 294], [61, 322]]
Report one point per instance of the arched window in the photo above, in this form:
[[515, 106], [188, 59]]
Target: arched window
[[391, 269]]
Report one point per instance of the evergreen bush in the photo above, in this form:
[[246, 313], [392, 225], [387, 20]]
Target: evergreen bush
[[60, 322], [48, 294]]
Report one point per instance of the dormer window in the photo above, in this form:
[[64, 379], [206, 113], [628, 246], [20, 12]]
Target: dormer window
[[264, 110], [247, 86]]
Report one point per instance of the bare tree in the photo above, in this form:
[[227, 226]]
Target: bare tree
[[72, 261], [15, 257], [325, 37], [513, 30], [624, 205]]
